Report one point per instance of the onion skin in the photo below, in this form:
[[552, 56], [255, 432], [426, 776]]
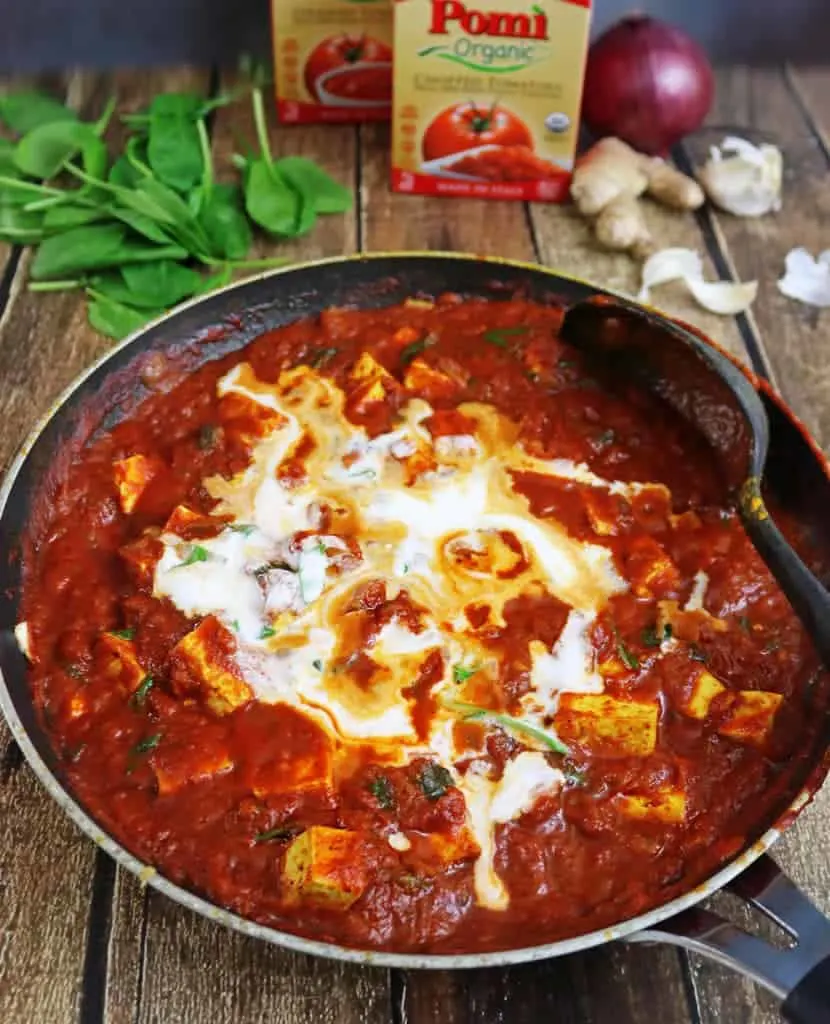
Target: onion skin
[[647, 83]]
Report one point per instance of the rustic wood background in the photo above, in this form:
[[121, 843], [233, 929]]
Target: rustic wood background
[[82, 941]]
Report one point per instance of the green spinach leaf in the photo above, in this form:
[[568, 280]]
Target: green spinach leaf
[[94, 247], [43, 151], [319, 189], [114, 319], [159, 283], [25, 110], [224, 222], [173, 148]]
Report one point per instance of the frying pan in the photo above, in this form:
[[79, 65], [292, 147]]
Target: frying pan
[[797, 477]]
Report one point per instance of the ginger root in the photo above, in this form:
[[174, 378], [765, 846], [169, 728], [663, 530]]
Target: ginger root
[[607, 183]]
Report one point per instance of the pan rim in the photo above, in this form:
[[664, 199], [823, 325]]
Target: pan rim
[[148, 875]]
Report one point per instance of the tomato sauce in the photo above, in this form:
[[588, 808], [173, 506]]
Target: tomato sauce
[[187, 790], [507, 163]]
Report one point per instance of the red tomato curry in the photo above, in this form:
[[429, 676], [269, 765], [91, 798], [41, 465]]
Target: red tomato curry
[[396, 629]]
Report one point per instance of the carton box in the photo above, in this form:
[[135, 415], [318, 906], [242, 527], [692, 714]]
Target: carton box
[[487, 96], [333, 60]]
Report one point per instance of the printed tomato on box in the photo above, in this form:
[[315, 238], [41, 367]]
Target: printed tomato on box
[[333, 60], [487, 96]]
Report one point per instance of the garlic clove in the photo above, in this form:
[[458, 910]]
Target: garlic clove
[[669, 265], [743, 178], [805, 278], [723, 297]]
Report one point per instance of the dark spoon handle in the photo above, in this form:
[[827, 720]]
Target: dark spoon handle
[[804, 592]]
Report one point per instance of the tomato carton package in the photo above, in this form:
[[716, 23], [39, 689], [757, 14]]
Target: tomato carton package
[[333, 60], [487, 96]]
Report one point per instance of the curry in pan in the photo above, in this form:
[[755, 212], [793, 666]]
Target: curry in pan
[[395, 628]]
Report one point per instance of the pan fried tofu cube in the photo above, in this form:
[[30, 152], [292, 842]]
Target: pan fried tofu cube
[[607, 726], [201, 662], [686, 521], [177, 765], [751, 717], [650, 569], [673, 621], [367, 368], [453, 848], [120, 662], [326, 866], [140, 557], [241, 413], [132, 477], [372, 386], [613, 668], [667, 806], [246, 419], [704, 690], [298, 772], [603, 510], [190, 525], [450, 423], [429, 382]]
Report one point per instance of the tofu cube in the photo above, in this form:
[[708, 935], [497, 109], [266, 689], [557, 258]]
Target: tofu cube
[[247, 420], [132, 476], [373, 385], [704, 690], [449, 849], [367, 368], [120, 662], [607, 726], [140, 557], [603, 510], [751, 717], [326, 866], [428, 382], [177, 766], [666, 806], [201, 662], [649, 569], [190, 525], [450, 423], [613, 668], [298, 772], [686, 521]]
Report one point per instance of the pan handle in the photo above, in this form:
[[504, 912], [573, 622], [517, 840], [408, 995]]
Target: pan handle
[[799, 975]]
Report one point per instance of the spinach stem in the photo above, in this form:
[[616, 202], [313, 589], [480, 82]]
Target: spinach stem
[[262, 127], [55, 286], [103, 121], [207, 159], [29, 186]]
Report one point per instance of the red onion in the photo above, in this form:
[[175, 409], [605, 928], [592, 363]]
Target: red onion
[[647, 83]]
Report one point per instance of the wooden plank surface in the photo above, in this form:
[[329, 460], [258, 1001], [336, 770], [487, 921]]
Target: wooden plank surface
[[565, 241], [160, 951], [164, 963], [793, 340], [763, 104], [392, 222], [46, 866], [598, 987]]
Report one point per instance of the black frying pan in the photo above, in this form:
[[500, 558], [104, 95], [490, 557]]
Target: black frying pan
[[797, 478]]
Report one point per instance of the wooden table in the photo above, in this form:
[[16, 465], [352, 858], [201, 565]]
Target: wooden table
[[82, 941]]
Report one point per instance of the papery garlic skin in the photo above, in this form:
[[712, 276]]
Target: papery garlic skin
[[807, 279], [743, 178], [723, 297]]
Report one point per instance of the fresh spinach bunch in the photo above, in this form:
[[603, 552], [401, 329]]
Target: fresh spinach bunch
[[152, 227]]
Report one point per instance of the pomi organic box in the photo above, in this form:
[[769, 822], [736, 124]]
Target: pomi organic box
[[333, 59], [487, 96]]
